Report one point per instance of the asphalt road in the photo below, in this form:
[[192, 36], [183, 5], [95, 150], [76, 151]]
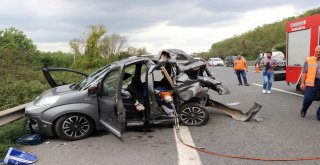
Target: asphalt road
[[281, 134]]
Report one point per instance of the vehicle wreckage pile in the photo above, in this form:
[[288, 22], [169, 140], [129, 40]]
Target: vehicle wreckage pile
[[191, 85]]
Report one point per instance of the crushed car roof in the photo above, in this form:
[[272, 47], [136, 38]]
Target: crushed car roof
[[129, 60], [178, 55]]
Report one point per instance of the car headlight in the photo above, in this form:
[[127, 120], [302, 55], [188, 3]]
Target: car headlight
[[46, 101], [43, 102]]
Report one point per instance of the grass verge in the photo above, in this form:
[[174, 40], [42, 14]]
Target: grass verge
[[9, 133]]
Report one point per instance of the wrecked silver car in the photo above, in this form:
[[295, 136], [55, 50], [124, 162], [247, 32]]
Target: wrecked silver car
[[131, 92]]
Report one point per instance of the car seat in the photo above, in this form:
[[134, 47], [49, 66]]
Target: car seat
[[136, 89]]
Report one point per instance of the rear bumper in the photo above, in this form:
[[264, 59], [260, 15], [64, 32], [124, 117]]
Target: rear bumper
[[277, 68], [280, 68]]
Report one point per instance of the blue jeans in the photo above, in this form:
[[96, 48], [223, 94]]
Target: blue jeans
[[242, 73], [267, 80], [310, 94]]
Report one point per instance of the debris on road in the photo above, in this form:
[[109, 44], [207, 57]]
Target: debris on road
[[62, 144], [17, 157], [30, 139]]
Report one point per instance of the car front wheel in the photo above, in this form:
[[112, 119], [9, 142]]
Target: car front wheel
[[192, 114], [74, 127]]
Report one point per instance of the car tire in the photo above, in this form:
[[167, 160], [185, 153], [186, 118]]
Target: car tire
[[192, 114], [74, 127]]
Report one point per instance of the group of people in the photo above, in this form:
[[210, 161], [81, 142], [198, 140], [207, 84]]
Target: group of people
[[268, 63], [310, 77]]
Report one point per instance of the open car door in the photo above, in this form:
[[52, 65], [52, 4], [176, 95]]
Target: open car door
[[54, 82], [111, 108]]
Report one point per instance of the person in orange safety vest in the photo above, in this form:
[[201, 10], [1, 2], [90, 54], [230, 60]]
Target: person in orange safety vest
[[240, 67], [310, 81]]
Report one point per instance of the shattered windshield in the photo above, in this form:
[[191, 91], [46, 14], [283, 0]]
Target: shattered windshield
[[91, 78]]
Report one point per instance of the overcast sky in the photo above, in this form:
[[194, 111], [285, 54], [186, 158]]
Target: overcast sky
[[191, 25]]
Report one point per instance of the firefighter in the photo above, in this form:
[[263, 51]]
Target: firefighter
[[240, 67], [310, 81]]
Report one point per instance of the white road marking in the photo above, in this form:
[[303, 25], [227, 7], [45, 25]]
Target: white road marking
[[232, 104], [280, 90], [187, 156]]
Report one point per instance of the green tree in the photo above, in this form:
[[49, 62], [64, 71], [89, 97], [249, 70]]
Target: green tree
[[21, 77], [91, 48], [90, 57], [16, 48], [142, 51], [132, 51], [97, 49], [112, 44]]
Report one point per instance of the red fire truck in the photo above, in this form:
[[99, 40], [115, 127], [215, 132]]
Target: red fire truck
[[303, 36]]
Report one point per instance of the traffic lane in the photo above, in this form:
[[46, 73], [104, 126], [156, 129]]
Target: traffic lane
[[257, 77], [284, 102], [282, 133], [139, 148]]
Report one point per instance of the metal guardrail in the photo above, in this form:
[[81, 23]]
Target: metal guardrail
[[12, 114]]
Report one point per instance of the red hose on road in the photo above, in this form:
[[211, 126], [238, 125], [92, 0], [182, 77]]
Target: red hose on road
[[242, 156]]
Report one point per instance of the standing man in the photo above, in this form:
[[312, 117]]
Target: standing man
[[268, 64], [310, 81], [240, 66]]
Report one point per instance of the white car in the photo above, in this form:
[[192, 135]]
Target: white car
[[278, 54], [215, 62]]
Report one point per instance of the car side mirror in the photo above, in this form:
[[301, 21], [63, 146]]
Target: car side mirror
[[92, 91]]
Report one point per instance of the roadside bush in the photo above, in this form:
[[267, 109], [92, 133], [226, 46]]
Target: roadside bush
[[9, 133], [19, 92], [56, 59], [87, 62]]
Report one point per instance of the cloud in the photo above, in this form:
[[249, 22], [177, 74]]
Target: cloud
[[53, 46], [197, 39], [190, 24]]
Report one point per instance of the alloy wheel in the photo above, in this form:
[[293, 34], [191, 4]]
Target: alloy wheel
[[192, 116], [75, 126]]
